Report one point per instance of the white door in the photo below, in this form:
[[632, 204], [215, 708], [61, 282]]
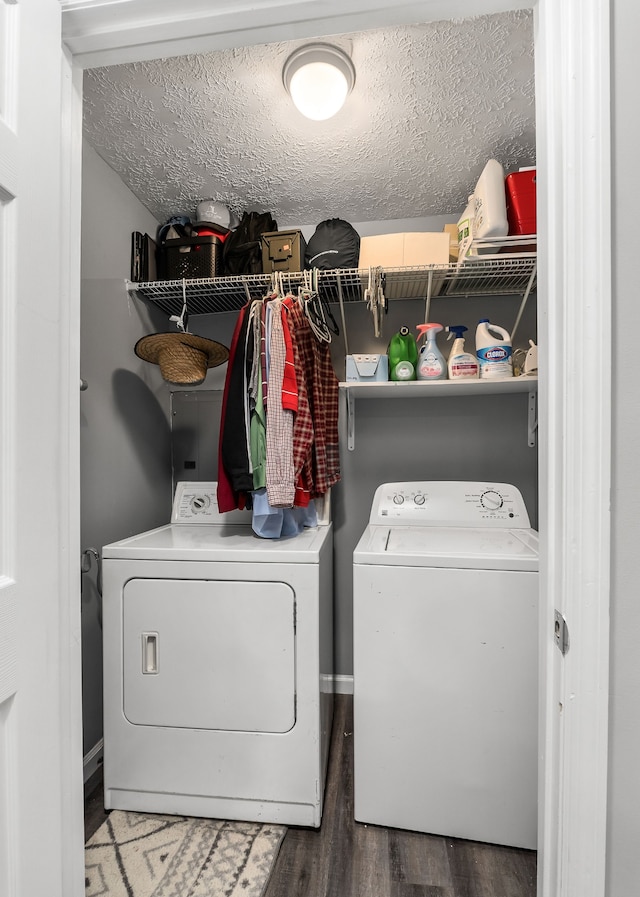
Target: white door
[[40, 734]]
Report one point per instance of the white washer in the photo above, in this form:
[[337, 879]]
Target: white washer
[[218, 663], [445, 662]]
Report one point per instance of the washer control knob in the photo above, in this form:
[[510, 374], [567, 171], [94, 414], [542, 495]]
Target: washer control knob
[[398, 498], [491, 500], [200, 503], [419, 498]]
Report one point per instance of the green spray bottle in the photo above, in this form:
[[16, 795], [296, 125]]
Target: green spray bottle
[[403, 355]]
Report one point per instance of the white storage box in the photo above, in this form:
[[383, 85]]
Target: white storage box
[[367, 368], [404, 250]]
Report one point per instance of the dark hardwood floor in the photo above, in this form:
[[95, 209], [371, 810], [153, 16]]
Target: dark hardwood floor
[[344, 858]]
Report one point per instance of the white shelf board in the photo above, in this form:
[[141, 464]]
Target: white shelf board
[[443, 389], [433, 388]]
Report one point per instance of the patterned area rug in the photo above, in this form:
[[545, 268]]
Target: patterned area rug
[[144, 855]]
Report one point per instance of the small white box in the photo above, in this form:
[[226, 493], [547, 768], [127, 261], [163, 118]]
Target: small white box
[[404, 250], [367, 368]]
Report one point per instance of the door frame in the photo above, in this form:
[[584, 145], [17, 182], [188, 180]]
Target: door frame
[[574, 301], [573, 91], [72, 823]]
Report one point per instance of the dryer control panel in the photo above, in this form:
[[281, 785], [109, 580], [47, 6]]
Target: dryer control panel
[[198, 503], [449, 503]]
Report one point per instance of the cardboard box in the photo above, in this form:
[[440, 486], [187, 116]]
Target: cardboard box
[[367, 368], [405, 250], [452, 230]]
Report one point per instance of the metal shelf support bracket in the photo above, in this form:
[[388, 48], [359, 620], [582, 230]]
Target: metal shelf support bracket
[[525, 297], [532, 419], [351, 421]]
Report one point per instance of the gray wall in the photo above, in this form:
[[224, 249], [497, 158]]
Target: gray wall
[[126, 446], [623, 828], [124, 427]]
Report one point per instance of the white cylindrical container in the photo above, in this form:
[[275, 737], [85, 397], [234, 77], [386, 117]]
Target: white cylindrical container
[[493, 351], [465, 229], [490, 203]]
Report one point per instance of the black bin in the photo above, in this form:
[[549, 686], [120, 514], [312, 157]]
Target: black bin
[[191, 257]]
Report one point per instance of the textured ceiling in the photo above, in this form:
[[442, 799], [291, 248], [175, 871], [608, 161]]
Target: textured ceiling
[[430, 105]]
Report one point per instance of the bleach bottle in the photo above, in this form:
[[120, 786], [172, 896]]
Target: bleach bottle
[[403, 355], [461, 365], [431, 363], [493, 351]]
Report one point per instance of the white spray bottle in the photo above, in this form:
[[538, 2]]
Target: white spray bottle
[[461, 365], [431, 363]]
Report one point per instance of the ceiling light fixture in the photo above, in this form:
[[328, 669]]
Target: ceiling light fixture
[[319, 78]]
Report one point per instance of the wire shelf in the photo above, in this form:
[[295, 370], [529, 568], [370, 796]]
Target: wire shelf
[[506, 274]]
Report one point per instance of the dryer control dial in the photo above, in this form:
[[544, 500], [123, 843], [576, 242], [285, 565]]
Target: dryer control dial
[[491, 500], [200, 503], [398, 498], [419, 498]]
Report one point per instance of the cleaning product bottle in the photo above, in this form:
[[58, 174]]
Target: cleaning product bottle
[[461, 365], [466, 229], [493, 351], [403, 355], [431, 363], [491, 202]]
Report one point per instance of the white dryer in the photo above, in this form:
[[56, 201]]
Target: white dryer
[[218, 667], [445, 662]]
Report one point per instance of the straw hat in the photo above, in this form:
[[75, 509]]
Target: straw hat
[[183, 357]]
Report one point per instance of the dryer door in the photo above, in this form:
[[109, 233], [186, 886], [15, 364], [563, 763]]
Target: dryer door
[[209, 654]]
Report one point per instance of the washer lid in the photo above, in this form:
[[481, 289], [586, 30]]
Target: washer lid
[[218, 542], [461, 547]]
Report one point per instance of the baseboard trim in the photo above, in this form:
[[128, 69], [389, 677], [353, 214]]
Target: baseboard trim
[[343, 685], [93, 760]]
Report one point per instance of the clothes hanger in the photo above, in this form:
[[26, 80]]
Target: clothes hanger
[[315, 315], [317, 308], [332, 324], [372, 297], [313, 309], [182, 320]]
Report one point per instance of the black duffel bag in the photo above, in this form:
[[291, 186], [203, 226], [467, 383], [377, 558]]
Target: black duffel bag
[[242, 248], [334, 244]]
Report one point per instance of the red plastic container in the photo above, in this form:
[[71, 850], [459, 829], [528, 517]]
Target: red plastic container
[[520, 190]]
